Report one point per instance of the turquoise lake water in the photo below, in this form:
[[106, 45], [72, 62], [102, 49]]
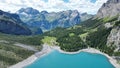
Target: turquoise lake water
[[81, 60]]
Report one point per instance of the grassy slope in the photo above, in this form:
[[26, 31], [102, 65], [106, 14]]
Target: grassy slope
[[49, 40], [11, 54]]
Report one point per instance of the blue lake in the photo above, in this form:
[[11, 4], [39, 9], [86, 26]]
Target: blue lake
[[81, 60]]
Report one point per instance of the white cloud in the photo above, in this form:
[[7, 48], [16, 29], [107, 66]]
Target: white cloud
[[52, 5]]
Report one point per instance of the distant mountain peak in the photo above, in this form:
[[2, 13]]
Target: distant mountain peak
[[44, 12], [50, 20], [28, 10]]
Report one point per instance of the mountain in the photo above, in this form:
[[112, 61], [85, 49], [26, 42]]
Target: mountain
[[29, 11], [11, 24], [109, 9], [48, 21], [85, 16]]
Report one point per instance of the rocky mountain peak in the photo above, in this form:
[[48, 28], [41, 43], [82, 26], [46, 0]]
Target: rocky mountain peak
[[28, 10], [50, 20], [109, 9], [44, 12]]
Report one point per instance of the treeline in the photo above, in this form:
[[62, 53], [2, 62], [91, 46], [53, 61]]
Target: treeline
[[60, 32], [71, 43], [66, 41]]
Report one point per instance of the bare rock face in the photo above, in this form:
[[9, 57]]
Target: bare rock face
[[109, 9], [108, 25], [114, 38]]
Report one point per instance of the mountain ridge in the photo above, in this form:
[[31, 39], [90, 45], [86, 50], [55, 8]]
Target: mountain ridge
[[11, 24], [50, 20]]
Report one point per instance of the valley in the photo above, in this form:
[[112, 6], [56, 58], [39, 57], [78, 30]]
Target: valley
[[29, 34]]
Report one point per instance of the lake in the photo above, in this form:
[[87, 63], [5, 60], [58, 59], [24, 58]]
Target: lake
[[55, 59]]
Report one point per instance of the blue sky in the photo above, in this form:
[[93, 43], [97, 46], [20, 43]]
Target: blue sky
[[66, 0], [89, 6], [93, 1]]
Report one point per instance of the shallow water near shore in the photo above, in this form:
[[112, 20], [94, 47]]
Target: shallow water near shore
[[55, 59]]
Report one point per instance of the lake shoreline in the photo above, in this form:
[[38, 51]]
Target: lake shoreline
[[91, 50], [47, 49]]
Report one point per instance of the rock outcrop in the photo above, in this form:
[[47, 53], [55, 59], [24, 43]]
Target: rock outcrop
[[114, 38]]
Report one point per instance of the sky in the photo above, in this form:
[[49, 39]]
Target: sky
[[89, 6]]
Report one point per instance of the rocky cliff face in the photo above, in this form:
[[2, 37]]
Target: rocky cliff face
[[11, 24], [114, 38], [109, 9]]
